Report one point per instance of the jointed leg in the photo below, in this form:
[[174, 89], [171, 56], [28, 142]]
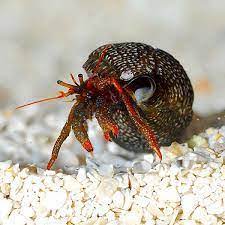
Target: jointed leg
[[79, 125], [102, 114], [81, 135], [141, 125], [62, 137]]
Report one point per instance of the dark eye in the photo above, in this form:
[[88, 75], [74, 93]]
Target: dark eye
[[142, 88]]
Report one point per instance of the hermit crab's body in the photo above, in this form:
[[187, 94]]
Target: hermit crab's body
[[136, 66], [141, 97]]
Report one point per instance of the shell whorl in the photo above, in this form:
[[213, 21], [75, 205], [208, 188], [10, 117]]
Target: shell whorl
[[168, 111]]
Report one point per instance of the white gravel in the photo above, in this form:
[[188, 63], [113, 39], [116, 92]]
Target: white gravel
[[186, 188]]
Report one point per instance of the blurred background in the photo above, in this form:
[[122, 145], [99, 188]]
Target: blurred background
[[43, 41]]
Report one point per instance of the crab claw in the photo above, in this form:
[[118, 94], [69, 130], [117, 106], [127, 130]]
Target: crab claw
[[108, 126], [113, 128], [107, 136], [88, 146]]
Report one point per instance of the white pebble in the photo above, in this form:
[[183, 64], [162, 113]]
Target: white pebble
[[5, 188], [106, 170], [168, 211], [131, 218], [110, 216], [24, 173], [142, 201], [71, 184], [49, 221], [149, 158], [189, 222], [5, 209], [150, 222], [49, 172], [128, 200], [101, 210], [106, 190], [82, 175], [174, 216], [215, 208], [53, 200], [200, 214], [169, 194], [8, 178], [5, 165], [141, 167], [188, 203], [154, 209], [16, 218], [16, 185], [75, 220], [118, 199]]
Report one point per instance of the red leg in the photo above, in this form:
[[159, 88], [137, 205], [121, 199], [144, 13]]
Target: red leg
[[79, 125], [81, 135], [104, 120], [62, 137], [141, 125]]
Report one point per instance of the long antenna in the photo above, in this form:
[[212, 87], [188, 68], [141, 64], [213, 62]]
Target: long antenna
[[61, 95], [73, 89]]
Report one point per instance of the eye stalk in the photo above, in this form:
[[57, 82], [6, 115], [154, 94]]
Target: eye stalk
[[141, 88]]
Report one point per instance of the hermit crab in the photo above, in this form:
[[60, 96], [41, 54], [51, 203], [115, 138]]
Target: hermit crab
[[141, 97]]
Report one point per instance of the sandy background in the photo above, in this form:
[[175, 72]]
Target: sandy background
[[43, 41]]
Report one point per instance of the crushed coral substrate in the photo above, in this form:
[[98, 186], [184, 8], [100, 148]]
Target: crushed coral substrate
[[186, 188]]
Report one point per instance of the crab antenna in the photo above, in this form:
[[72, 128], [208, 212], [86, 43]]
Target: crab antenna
[[73, 89], [61, 95]]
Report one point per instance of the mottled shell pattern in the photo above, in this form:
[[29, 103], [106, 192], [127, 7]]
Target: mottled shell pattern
[[169, 109]]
